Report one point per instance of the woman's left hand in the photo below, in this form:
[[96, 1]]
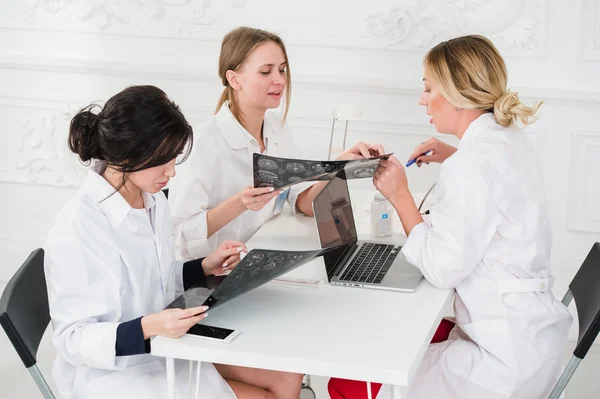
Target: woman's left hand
[[390, 178], [361, 150], [225, 258]]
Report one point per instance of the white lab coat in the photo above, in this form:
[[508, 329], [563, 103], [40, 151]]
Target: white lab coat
[[220, 166], [107, 263], [490, 238]]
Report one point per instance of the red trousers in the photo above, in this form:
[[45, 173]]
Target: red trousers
[[350, 389]]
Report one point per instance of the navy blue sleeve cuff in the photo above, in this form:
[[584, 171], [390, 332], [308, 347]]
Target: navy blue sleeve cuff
[[193, 273], [130, 339]]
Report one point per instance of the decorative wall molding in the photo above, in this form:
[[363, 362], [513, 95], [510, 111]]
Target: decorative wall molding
[[590, 30], [168, 18], [517, 27], [110, 68], [45, 159], [321, 82], [583, 212], [43, 154]]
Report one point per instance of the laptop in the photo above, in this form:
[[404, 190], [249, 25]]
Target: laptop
[[352, 262]]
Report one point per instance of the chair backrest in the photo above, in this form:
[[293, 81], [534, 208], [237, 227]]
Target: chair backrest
[[585, 289], [24, 312]]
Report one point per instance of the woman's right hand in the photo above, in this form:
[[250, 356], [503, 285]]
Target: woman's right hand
[[361, 150], [440, 151], [172, 323], [256, 198]]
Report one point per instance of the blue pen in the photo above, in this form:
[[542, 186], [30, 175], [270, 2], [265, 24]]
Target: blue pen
[[411, 161]]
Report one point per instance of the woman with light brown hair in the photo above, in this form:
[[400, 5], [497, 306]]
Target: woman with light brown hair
[[489, 238], [211, 200]]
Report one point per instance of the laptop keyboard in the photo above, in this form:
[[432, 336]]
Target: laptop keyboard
[[371, 263]]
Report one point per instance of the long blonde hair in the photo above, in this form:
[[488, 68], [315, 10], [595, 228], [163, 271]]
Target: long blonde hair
[[470, 73], [235, 48]]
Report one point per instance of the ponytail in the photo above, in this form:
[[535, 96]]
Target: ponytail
[[228, 96], [223, 99]]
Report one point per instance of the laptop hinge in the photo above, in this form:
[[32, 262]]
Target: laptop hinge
[[343, 259]]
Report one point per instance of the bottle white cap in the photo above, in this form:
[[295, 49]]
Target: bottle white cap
[[379, 197]]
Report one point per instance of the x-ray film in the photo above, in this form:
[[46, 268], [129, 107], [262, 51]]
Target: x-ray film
[[284, 172], [258, 267]]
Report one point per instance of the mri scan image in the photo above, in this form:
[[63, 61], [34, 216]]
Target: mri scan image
[[361, 171], [283, 172], [258, 267], [323, 167], [193, 297], [268, 164], [268, 177], [251, 261], [295, 167]]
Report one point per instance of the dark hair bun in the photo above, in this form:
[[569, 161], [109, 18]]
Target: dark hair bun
[[83, 134]]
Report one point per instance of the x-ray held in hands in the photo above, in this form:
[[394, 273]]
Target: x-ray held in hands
[[284, 172]]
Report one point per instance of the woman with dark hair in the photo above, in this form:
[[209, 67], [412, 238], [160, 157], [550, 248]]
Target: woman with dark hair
[[110, 265]]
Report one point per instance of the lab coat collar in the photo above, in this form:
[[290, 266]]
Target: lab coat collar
[[149, 201], [480, 124], [270, 131], [233, 132], [111, 203], [235, 135]]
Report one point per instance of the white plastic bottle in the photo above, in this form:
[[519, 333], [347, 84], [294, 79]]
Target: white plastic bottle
[[381, 216]]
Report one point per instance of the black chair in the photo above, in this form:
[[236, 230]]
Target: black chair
[[585, 289], [24, 314]]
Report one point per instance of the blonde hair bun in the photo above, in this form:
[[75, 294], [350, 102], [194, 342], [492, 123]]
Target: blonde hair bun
[[504, 106], [509, 108], [470, 73]]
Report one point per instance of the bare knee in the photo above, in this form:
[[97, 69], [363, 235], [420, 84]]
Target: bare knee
[[287, 385], [243, 390]]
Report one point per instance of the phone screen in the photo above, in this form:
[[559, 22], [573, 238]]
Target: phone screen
[[210, 331]]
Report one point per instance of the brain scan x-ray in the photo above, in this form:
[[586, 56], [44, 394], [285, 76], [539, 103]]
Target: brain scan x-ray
[[283, 172], [258, 267]]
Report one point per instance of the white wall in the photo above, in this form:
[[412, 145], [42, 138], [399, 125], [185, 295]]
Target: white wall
[[57, 56]]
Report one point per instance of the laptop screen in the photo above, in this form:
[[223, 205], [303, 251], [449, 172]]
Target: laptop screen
[[333, 214]]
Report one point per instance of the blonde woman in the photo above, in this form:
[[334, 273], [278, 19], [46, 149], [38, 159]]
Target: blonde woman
[[490, 235], [210, 198]]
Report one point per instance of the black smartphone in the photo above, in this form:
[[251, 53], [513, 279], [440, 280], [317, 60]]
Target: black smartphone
[[213, 333]]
